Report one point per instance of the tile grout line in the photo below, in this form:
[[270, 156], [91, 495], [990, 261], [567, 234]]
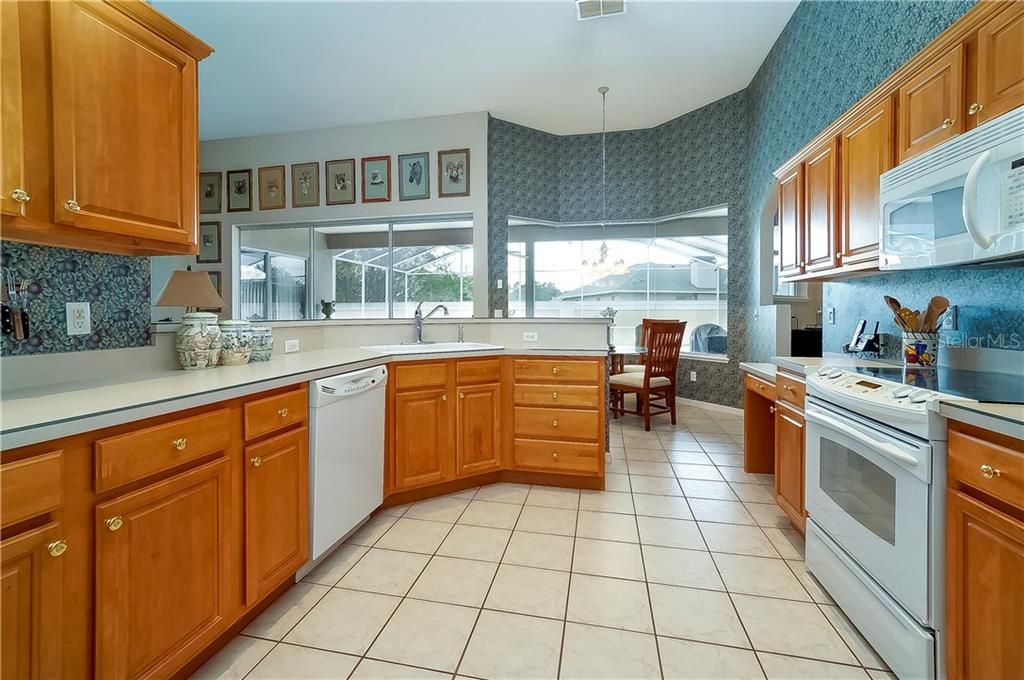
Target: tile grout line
[[647, 583], [568, 588]]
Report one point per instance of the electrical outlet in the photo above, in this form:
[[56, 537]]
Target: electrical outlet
[[79, 318], [832, 316], [529, 336], [693, 376], [499, 314], [292, 345], [499, 283]]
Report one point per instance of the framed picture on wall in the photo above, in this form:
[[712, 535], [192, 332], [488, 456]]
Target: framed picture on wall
[[209, 243], [306, 185], [453, 173], [413, 176], [272, 188], [215, 279], [341, 181], [210, 193], [239, 190], [376, 171]]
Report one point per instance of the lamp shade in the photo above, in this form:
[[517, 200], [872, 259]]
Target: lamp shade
[[190, 289]]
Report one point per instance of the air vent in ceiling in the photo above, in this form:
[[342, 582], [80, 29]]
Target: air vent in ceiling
[[593, 9]]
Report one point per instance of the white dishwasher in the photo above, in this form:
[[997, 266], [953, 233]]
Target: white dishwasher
[[346, 436]]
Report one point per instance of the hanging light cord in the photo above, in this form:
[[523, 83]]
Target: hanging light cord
[[604, 175]]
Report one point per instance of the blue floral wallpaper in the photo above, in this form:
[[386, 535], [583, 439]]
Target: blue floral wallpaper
[[116, 288]]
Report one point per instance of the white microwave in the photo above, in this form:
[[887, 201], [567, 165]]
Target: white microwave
[[961, 202]]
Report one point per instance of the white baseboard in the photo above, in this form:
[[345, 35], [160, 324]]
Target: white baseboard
[[708, 406]]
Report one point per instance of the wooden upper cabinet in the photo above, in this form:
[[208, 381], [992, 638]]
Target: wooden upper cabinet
[[14, 190], [422, 437], [929, 105], [125, 126], [161, 577], [791, 191], [1000, 64], [276, 511], [866, 150], [789, 462], [478, 429], [821, 207], [984, 593], [32, 600]]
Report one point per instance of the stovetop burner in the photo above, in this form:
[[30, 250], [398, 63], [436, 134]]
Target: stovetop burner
[[983, 386]]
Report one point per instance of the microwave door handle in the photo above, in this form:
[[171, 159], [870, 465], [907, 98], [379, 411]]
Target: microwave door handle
[[891, 452], [970, 203]]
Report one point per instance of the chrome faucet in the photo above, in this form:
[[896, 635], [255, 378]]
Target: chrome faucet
[[418, 318]]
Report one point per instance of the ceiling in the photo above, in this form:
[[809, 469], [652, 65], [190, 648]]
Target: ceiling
[[286, 66]]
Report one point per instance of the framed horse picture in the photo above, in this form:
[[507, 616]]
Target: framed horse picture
[[413, 176]]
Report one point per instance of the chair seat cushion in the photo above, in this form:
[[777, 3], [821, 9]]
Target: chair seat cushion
[[637, 380], [633, 368]]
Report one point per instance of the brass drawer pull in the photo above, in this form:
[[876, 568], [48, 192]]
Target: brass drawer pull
[[283, 412], [257, 461], [114, 523], [554, 423], [988, 472], [948, 123], [975, 108], [554, 456], [72, 205], [771, 409], [462, 395], [57, 548], [554, 395], [21, 196], [554, 370], [444, 397], [180, 443]]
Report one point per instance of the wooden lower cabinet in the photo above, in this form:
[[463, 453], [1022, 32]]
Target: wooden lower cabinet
[[276, 511], [32, 601], [789, 462], [160, 573], [758, 426], [422, 437], [478, 429]]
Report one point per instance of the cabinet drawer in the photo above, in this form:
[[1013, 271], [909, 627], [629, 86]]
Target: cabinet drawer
[[556, 423], [483, 370], [971, 458], [409, 376], [31, 487], [558, 370], [130, 457], [574, 396], [790, 389], [271, 414], [765, 389], [554, 456]]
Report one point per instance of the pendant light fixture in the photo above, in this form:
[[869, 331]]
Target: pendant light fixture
[[601, 266]]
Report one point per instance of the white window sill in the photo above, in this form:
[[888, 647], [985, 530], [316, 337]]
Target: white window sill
[[700, 356]]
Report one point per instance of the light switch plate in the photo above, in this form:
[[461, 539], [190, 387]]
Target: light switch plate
[[693, 376], [291, 345], [79, 318], [529, 336], [832, 316]]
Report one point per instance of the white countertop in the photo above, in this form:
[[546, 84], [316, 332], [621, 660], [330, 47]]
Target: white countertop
[[801, 364], [765, 371], [1006, 419], [33, 415]]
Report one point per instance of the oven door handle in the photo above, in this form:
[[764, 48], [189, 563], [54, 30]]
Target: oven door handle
[[890, 451]]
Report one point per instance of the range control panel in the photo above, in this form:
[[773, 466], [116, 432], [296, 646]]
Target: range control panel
[[872, 390]]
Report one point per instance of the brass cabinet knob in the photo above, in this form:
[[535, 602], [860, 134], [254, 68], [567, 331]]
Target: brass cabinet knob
[[554, 456], [988, 472], [283, 412], [554, 423], [554, 370], [57, 548], [114, 523], [948, 123], [20, 196], [256, 461], [72, 205], [180, 443], [771, 409], [975, 108], [444, 397], [554, 395], [462, 395]]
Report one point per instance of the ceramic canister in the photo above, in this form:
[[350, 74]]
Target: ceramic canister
[[262, 343], [920, 348], [236, 338], [198, 341]]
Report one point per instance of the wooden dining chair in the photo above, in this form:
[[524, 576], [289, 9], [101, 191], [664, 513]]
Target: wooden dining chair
[[658, 381], [645, 337]]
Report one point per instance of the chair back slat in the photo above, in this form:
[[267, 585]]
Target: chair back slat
[[663, 347], [645, 335]]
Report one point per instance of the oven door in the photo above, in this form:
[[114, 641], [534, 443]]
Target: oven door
[[867, 487]]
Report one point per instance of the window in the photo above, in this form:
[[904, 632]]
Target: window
[[274, 269], [670, 269]]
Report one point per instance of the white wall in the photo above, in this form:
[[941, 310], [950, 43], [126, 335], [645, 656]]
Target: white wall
[[357, 141]]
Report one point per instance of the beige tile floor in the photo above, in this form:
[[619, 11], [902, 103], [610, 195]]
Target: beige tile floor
[[683, 568]]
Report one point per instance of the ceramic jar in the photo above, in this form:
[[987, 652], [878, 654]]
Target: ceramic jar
[[198, 341], [920, 348], [262, 343], [236, 337]]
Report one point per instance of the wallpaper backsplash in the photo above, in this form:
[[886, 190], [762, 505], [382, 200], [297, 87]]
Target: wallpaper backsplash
[[115, 286]]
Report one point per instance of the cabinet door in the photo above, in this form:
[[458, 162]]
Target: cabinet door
[[276, 511], [789, 462], [31, 599], [478, 429], [791, 254], [422, 437], [821, 185], [866, 150], [929, 105], [124, 119], [1000, 64], [984, 590], [161, 581], [14, 192]]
